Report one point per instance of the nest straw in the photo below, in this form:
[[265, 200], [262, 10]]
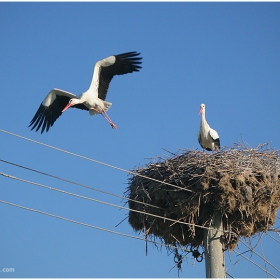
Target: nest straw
[[242, 183]]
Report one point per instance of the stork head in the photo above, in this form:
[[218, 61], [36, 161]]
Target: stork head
[[72, 102], [202, 108]]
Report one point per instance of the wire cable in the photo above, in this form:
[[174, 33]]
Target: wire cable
[[264, 259], [115, 232], [87, 225], [240, 254], [126, 235], [94, 160], [114, 167], [99, 201], [272, 237], [79, 184]]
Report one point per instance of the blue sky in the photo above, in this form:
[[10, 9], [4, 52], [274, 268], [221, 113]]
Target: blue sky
[[225, 55]]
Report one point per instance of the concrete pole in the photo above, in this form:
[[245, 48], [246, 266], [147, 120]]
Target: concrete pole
[[213, 247]]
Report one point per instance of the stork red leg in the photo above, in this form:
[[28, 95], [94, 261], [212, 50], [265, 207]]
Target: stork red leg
[[106, 116]]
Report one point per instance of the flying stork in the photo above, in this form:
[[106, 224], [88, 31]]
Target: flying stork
[[208, 138], [92, 100]]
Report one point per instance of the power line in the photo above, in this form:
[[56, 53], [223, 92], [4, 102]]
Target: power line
[[115, 232], [240, 254], [94, 160], [253, 251], [79, 184], [272, 237], [99, 162], [114, 167], [96, 200], [88, 225], [110, 204]]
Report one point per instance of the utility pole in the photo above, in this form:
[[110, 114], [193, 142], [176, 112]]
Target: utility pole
[[213, 247]]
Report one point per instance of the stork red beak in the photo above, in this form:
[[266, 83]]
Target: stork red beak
[[66, 107], [198, 112]]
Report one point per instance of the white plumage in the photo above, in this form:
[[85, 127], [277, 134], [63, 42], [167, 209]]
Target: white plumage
[[92, 100], [208, 138]]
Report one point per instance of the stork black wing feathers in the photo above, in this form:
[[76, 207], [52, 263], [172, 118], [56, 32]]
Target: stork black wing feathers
[[46, 116], [125, 63]]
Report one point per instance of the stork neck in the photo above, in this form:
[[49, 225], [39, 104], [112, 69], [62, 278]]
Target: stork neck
[[203, 115], [203, 122]]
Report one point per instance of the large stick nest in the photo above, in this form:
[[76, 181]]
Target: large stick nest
[[242, 183]]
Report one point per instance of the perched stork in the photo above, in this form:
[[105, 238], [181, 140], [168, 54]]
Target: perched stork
[[92, 100], [208, 138]]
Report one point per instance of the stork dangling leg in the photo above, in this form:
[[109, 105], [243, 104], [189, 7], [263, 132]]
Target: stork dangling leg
[[106, 116]]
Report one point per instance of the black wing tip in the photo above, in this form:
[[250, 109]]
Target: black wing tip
[[132, 59], [45, 128], [40, 120], [133, 56]]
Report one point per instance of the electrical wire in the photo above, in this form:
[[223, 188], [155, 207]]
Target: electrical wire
[[87, 225], [264, 259], [99, 162], [79, 184], [98, 201], [118, 233], [110, 166], [94, 160], [272, 237], [240, 254], [95, 189]]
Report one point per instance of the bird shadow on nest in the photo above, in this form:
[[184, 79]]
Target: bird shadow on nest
[[173, 198]]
